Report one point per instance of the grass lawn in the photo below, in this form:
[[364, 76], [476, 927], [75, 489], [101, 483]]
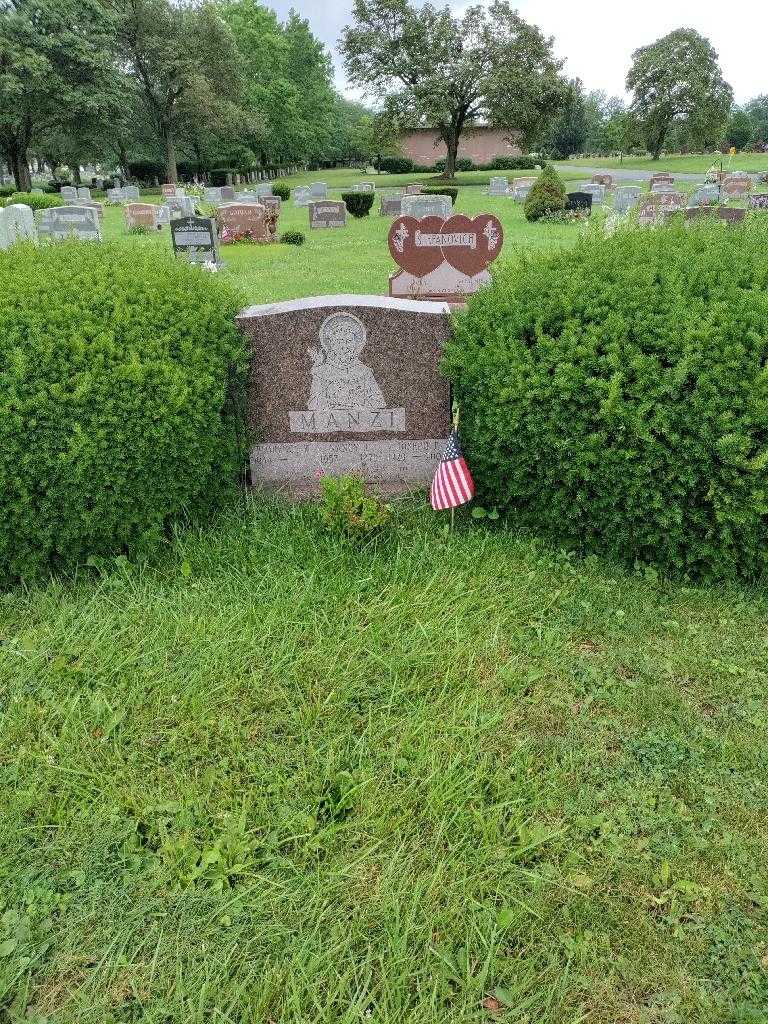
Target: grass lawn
[[684, 164], [448, 777]]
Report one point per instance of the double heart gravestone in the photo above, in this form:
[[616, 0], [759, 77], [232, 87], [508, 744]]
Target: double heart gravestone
[[347, 384], [443, 258]]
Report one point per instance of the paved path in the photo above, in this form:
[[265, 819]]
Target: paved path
[[624, 173]]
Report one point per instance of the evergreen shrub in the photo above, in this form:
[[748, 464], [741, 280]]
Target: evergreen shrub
[[615, 396], [396, 165], [120, 390], [36, 200], [451, 191], [358, 203], [547, 197]]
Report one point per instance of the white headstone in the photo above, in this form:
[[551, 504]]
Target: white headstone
[[68, 193], [84, 193], [626, 197], [596, 191], [499, 187], [318, 190], [17, 224], [427, 206]]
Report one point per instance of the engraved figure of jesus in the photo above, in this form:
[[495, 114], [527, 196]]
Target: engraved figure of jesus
[[340, 379]]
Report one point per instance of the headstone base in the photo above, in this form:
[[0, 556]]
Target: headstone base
[[446, 284]]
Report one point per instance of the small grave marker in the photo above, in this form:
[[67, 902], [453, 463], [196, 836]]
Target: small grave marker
[[195, 239], [327, 214]]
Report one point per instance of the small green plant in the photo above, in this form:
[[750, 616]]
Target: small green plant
[[547, 195], [279, 188], [36, 200], [349, 512], [293, 238], [358, 203]]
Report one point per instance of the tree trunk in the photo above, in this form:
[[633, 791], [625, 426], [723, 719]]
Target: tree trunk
[[20, 169], [76, 179], [171, 174]]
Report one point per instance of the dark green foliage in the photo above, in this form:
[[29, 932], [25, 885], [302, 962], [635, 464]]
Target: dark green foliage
[[119, 391], [280, 188], [446, 191], [358, 203], [396, 165], [348, 512], [36, 200], [146, 171], [547, 196], [514, 163], [616, 397], [293, 238], [7, 190], [219, 175], [463, 163]]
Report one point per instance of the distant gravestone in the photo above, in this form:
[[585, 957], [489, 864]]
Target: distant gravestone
[[606, 180], [169, 190], [521, 187], [62, 222], [579, 202], [499, 187], [626, 197], [272, 203], [141, 215], [195, 239], [427, 206], [705, 195], [327, 214], [443, 258], [391, 206], [736, 187], [68, 193], [115, 195], [730, 216], [347, 384], [652, 207], [596, 191], [365, 186], [318, 190], [213, 196], [245, 222], [17, 224], [181, 206], [759, 201], [131, 193], [301, 196], [263, 190], [227, 193], [661, 178], [414, 190], [84, 193]]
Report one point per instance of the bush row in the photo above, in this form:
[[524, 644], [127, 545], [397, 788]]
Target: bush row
[[615, 396], [35, 200], [404, 165], [120, 392]]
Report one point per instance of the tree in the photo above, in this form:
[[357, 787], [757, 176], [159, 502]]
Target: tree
[[757, 109], [569, 130], [57, 74], [676, 79], [449, 71], [182, 56], [740, 130]]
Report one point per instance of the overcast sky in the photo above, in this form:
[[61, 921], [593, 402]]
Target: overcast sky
[[598, 39]]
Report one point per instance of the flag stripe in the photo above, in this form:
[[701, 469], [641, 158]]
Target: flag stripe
[[452, 484]]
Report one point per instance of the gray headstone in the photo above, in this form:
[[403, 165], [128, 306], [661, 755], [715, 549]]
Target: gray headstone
[[596, 191], [327, 213], [227, 192], [318, 190], [499, 187], [62, 222], [17, 224], [263, 190], [84, 193], [626, 197], [347, 384], [68, 193], [196, 239], [705, 195], [391, 206], [213, 196], [758, 201], [301, 196], [131, 193], [427, 206]]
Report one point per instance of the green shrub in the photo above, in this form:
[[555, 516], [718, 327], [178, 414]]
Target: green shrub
[[514, 163], [396, 165], [453, 192], [293, 238], [348, 512], [120, 376], [7, 190], [463, 163], [615, 396], [547, 195], [219, 175], [146, 171], [280, 188], [36, 200], [358, 203]]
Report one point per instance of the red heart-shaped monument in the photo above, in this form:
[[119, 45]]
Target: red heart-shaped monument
[[415, 244], [471, 245]]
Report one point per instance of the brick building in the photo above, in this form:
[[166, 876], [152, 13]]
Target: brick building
[[425, 147]]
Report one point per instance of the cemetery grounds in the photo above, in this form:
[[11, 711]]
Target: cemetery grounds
[[452, 775]]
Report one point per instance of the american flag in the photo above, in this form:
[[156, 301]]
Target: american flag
[[453, 484]]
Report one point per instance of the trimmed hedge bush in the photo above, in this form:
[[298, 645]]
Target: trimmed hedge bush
[[358, 203], [447, 191], [396, 165], [615, 396], [293, 238], [463, 163], [547, 195], [514, 163], [36, 200], [120, 391], [279, 188]]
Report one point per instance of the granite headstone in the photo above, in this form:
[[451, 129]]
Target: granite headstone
[[327, 213], [62, 222], [195, 239]]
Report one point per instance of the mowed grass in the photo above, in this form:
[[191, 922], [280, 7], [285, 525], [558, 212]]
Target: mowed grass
[[682, 163], [449, 777]]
